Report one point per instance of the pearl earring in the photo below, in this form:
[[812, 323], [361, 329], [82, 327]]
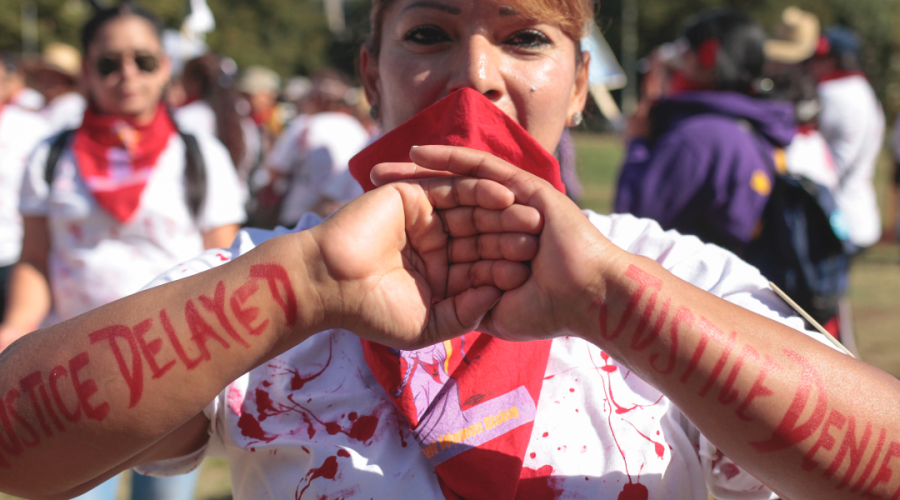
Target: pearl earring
[[577, 119]]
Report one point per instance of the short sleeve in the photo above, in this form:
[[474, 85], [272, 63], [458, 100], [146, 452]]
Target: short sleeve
[[35, 193], [281, 157], [224, 201]]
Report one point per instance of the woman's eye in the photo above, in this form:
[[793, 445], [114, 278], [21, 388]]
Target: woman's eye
[[528, 39], [426, 35]]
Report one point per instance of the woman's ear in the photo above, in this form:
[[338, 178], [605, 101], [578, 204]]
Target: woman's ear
[[581, 87], [368, 71]]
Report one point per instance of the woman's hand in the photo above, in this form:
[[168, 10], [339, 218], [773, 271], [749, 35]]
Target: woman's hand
[[413, 264], [571, 260]]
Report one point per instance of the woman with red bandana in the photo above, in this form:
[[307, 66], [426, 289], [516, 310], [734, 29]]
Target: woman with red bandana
[[343, 359], [112, 212]]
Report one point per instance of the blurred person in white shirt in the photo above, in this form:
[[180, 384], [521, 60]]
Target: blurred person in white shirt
[[309, 160], [852, 122], [56, 78]]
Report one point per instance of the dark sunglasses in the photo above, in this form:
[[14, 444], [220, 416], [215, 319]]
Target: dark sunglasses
[[109, 64]]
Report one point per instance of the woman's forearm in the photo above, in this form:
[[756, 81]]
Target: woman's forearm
[[805, 419], [89, 394], [28, 300]]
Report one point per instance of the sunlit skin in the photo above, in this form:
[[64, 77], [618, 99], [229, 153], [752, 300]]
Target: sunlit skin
[[130, 91], [530, 70]]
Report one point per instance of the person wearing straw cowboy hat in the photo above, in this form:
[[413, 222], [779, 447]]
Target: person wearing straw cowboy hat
[[57, 76]]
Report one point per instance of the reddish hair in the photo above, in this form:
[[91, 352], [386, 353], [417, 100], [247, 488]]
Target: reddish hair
[[572, 16]]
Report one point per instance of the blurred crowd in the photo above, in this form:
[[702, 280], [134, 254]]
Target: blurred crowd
[[763, 144]]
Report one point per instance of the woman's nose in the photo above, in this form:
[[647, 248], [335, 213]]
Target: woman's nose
[[478, 68], [129, 67]]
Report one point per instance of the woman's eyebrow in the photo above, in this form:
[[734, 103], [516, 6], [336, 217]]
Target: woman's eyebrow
[[430, 4]]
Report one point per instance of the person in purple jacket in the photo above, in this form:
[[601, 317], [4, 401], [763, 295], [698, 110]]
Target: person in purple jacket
[[702, 159]]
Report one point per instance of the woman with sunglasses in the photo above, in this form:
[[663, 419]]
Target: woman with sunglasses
[[651, 370], [115, 213]]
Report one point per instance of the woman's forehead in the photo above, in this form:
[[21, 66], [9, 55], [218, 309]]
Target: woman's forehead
[[126, 32], [571, 15]]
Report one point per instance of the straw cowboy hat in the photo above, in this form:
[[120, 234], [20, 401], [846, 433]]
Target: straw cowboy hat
[[795, 39], [61, 58]]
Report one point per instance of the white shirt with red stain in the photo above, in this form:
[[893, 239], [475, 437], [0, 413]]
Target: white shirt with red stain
[[314, 423], [20, 132], [95, 259]]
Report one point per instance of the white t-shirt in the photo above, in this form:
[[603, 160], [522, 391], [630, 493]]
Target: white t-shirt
[[28, 98], [94, 259], [809, 155], [278, 438], [852, 123], [315, 151], [20, 132], [196, 118], [65, 112]]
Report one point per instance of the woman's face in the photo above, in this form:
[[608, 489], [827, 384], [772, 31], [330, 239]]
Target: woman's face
[[432, 48], [125, 49]]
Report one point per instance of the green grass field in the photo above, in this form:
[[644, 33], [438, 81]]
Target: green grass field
[[875, 286]]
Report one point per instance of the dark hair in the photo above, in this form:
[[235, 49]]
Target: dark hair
[[102, 16], [206, 76], [739, 58]]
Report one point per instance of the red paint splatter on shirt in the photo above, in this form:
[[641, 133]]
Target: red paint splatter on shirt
[[328, 470], [250, 428], [659, 448], [634, 491]]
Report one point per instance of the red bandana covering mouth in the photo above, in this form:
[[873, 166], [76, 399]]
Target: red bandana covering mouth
[[470, 401], [116, 157]]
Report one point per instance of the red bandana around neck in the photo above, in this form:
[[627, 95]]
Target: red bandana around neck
[[470, 401], [115, 157]]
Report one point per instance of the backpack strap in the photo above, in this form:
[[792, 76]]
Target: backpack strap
[[194, 174], [56, 150]]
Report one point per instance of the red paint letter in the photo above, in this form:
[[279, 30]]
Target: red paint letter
[[707, 331], [273, 273], [682, 316], [86, 389], [10, 401], [826, 440], [884, 472], [868, 470], [189, 363], [28, 384], [720, 364], [12, 445], [848, 445], [135, 377], [788, 432], [201, 332], [152, 349], [217, 306], [247, 316], [726, 397], [55, 375], [758, 389]]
